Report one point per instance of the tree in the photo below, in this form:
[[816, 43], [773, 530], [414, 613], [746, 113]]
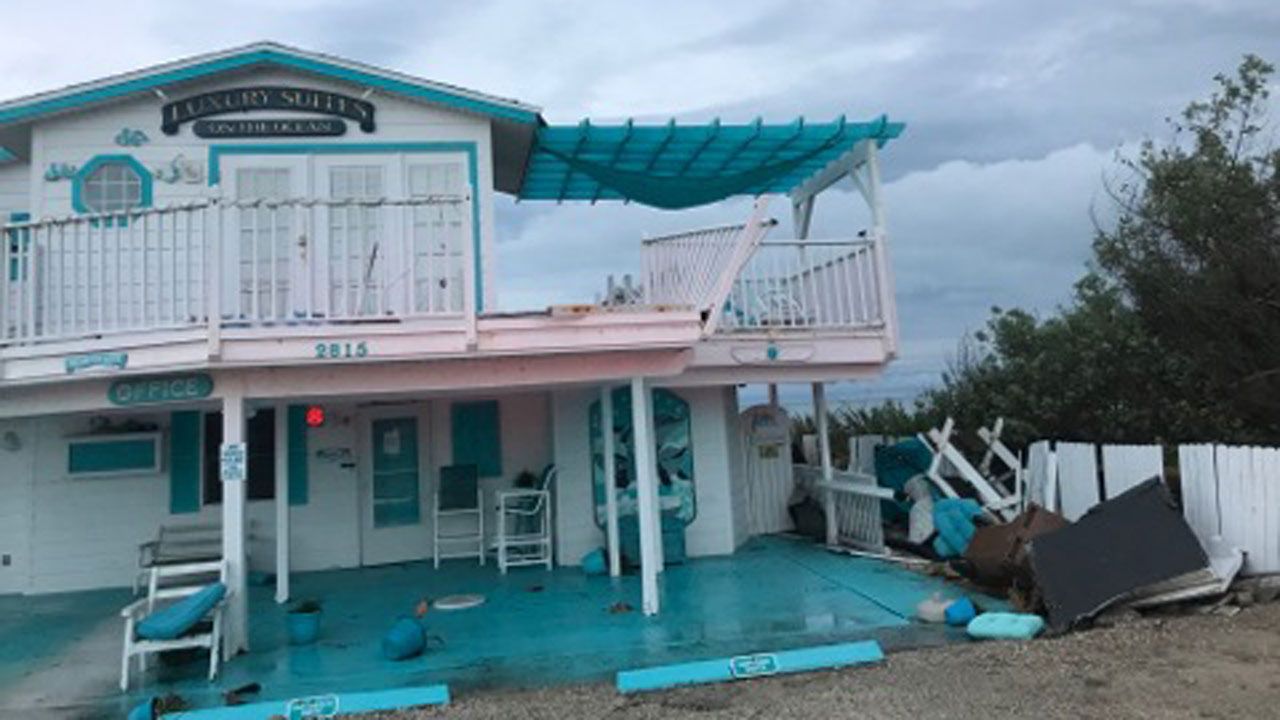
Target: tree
[[1196, 248]]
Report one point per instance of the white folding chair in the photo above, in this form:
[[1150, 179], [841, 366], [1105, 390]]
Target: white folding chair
[[170, 582], [458, 500], [524, 524]]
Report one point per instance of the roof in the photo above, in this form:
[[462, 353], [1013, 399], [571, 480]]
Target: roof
[[268, 53], [672, 166]]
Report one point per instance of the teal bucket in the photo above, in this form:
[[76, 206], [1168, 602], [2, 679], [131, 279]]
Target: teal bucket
[[303, 627]]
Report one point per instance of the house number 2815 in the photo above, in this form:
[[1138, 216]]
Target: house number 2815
[[335, 351]]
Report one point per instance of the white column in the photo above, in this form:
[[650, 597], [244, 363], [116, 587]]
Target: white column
[[283, 530], [236, 632], [610, 482], [824, 450], [646, 496]]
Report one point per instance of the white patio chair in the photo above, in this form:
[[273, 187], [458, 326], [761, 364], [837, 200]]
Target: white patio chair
[[167, 584], [529, 510], [996, 504], [458, 499]]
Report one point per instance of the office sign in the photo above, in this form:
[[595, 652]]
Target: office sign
[[153, 390], [253, 99]]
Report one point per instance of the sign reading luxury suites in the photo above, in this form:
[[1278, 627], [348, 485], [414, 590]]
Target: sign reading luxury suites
[[251, 99]]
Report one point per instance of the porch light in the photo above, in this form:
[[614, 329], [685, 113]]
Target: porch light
[[315, 416]]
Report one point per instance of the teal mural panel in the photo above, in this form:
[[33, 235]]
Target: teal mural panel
[[477, 436], [673, 447]]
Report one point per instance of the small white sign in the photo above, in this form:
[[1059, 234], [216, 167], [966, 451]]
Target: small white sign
[[234, 462]]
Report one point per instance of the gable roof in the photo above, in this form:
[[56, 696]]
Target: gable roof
[[120, 86]]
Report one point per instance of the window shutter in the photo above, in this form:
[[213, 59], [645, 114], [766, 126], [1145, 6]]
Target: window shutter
[[298, 482], [184, 462], [477, 436]]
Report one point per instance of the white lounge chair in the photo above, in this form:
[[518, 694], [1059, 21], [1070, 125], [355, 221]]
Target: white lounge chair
[[202, 628]]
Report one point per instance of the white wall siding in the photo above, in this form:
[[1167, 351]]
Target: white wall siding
[[14, 189], [15, 505]]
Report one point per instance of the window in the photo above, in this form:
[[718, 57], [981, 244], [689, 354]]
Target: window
[[110, 184], [260, 435]]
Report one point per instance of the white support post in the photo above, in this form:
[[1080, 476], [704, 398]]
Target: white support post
[[283, 530], [824, 450], [213, 261], [802, 217], [773, 395], [610, 482], [236, 632], [469, 299], [647, 496], [870, 189]]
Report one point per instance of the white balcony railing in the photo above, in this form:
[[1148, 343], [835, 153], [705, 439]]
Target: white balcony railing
[[809, 284], [248, 264]]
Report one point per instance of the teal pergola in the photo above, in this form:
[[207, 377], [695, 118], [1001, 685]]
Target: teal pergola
[[674, 166]]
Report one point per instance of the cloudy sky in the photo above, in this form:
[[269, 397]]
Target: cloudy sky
[[1015, 111]]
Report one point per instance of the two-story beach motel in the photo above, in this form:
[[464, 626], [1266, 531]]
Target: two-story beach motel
[[284, 262]]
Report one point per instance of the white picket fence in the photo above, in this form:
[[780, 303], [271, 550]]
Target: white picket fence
[[1234, 492]]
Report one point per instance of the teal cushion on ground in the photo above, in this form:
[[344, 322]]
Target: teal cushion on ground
[[1005, 626], [594, 563], [406, 639], [953, 519], [174, 621]]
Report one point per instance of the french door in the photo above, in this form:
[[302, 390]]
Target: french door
[[266, 243]]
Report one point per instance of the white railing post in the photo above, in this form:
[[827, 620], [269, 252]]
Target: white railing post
[[469, 272], [214, 237]]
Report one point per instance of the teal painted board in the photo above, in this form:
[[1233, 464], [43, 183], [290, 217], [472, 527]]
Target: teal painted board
[[299, 482], [110, 456], [477, 436], [347, 703], [746, 666], [395, 472], [184, 461]]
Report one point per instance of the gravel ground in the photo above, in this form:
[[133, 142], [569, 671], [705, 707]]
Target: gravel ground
[[1205, 666]]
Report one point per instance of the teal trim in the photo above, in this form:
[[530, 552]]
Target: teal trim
[[17, 237], [111, 456], [351, 702], [7, 155], [469, 148], [185, 461], [824, 657], [673, 166], [97, 161], [269, 56], [477, 436], [299, 485]]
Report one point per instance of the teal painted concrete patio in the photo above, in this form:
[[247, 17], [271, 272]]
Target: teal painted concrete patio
[[535, 628]]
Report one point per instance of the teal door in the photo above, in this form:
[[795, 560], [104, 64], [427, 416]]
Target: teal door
[[394, 527]]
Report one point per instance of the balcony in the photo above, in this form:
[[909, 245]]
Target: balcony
[[246, 265], [744, 284]]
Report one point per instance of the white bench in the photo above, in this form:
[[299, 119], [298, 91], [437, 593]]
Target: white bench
[[179, 544]]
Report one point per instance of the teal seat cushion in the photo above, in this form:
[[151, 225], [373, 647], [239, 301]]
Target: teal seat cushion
[[1005, 626], [177, 619]]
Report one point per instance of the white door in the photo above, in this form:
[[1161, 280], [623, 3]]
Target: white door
[[265, 253], [359, 233], [395, 502]]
